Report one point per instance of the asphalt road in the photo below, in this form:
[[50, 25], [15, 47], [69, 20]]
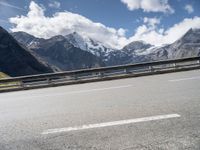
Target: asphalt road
[[160, 112]]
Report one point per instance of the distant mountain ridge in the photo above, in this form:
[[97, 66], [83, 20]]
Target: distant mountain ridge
[[59, 52], [106, 56], [76, 52]]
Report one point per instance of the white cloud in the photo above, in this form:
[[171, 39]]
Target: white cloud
[[36, 23], [149, 5], [151, 22], [63, 23], [54, 4], [158, 36], [9, 5], [189, 8]]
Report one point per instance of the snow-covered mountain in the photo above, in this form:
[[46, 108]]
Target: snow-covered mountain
[[64, 50], [58, 52], [84, 43], [77, 40], [186, 46], [91, 46], [131, 53], [96, 48], [137, 47]]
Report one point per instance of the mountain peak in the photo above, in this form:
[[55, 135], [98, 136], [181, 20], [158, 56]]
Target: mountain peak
[[191, 36], [135, 45], [75, 33], [77, 40], [58, 38]]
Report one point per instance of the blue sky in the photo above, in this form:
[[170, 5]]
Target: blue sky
[[129, 19]]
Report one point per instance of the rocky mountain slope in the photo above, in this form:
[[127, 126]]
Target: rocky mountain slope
[[16, 60], [186, 46], [102, 55], [76, 52], [59, 52]]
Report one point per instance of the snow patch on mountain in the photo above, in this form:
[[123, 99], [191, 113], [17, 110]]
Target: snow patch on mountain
[[95, 47]]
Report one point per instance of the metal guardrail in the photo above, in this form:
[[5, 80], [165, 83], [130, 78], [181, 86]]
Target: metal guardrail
[[98, 74]]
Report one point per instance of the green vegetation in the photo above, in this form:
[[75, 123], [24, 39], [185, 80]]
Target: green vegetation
[[3, 75], [7, 85]]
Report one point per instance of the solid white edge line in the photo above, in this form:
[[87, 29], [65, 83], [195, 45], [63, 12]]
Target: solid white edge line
[[78, 91], [108, 124], [89, 90], [184, 79]]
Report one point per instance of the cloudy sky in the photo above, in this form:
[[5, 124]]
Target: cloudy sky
[[112, 22]]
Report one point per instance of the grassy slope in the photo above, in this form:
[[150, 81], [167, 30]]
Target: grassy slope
[[3, 86], [3, 75]]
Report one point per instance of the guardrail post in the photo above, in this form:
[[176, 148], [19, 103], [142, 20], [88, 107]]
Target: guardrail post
[[48, 81], [126, 71], [175, 65], [22, 84], [151, 68], [101, 74], [75, 77]]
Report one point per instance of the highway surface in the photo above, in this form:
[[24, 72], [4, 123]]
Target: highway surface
[[160, 112]]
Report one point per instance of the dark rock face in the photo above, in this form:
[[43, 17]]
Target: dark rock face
[[15, 60], [59, 53], [27, 39]]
